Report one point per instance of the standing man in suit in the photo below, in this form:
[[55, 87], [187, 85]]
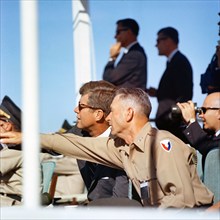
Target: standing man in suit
[[210, 80], [176, 84], [131, 70]]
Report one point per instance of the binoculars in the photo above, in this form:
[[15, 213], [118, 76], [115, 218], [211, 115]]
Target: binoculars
[[176, 112]]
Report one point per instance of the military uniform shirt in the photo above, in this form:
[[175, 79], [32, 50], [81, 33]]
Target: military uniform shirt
[[156, 157]]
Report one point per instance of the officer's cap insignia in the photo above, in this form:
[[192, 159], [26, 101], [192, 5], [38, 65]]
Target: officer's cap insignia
[[166, 145]]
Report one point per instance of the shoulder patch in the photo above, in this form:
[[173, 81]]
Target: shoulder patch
[[166, 145]]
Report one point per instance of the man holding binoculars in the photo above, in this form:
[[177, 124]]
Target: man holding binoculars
[[209, 137]]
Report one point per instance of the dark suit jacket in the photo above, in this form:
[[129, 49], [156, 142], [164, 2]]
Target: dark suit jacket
[[101, 181], [177, 81], [176, 85], [201, 140], [131, 71]]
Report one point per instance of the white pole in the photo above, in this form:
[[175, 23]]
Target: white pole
[[82, 44], [30, 142]]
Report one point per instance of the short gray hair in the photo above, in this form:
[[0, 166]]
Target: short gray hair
[[138, 98]]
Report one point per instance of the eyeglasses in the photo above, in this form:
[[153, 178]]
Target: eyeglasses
[[160, 39], [82, 106], [120, 30], [204, 109]]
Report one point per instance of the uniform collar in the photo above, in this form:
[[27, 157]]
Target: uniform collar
[[139, 141], [217, 133]]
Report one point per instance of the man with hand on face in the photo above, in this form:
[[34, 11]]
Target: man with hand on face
[[130, 70]]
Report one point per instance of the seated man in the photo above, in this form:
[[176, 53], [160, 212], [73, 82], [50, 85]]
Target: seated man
[[69, 179], [11, 159], [209, 137], [94, 106], [11, 156]]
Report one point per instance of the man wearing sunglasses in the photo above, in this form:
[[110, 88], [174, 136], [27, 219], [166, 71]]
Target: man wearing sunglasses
[[93, 108], [128, 67], [207, 138]]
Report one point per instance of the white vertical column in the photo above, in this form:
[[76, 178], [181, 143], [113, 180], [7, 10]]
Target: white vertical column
[[84, 62], [30, 142]]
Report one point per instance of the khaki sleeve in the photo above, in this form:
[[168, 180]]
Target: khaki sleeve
[[99, 150], [10, 160]]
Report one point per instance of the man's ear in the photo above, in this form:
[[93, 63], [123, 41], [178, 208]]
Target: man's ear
[[130, 114], [99, 115]]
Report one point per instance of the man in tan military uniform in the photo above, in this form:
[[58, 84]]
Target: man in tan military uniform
[[159, 164], [11, 177], [69, 180], [11, 158]]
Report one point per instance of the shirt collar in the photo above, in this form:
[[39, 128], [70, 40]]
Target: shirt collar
[[106, 133], [4, 146], [126, 49], [172, 55], [139, 141], [217, 133]]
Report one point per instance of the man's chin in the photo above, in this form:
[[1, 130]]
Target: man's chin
[[112, 132], [78, 125]]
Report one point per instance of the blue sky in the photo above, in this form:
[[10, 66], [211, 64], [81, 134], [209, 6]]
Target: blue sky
[[195, 20]]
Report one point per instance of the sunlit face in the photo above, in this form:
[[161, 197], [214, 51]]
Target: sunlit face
[[117, 117], [85, 114], [121, 35], [211, 118], [5, 126]]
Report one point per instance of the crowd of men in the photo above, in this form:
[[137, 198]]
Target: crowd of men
[[119, 154]]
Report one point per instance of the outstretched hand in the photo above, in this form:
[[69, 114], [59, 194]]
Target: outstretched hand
[[11, 137]]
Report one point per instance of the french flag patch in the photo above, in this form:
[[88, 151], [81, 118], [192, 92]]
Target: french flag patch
[[166, 145]]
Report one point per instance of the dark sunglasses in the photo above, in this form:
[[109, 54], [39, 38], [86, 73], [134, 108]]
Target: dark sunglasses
[[160, 39], [204, 109], [82, 106], [120, 30]]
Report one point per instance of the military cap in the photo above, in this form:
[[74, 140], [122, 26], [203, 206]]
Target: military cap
[[10, 111]]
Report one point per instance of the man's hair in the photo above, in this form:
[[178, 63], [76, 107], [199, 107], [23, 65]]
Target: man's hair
[[137, 97], [170, 32], [101, 94], [130, 24]]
